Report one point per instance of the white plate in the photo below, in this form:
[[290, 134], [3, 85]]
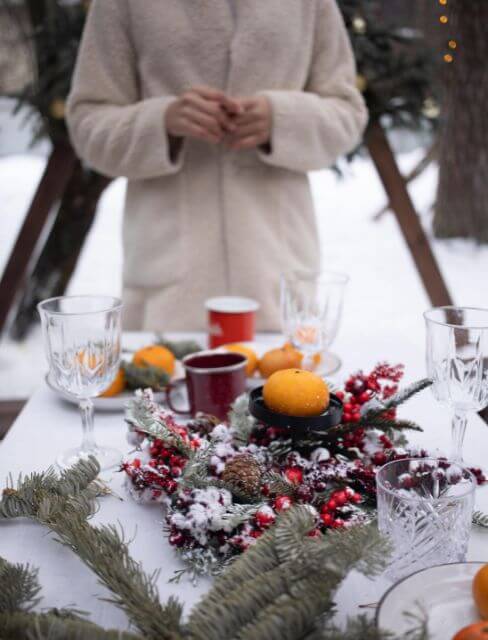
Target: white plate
[[115, 403], [443, 592]]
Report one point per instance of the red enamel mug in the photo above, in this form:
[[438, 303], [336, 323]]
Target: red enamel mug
[[231, 319], [213, 380]]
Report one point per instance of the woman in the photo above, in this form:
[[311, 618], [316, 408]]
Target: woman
[[214, 110]]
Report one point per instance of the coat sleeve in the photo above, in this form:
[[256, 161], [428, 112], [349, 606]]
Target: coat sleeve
[[111, 128], [312, 128]]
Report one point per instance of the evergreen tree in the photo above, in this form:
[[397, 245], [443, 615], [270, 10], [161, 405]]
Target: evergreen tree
[[462, 196]]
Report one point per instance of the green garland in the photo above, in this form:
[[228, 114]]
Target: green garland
[[282, 588]]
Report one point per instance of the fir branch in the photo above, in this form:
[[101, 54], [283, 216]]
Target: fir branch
[[241, 422], [143, 414], [149, 377], [383, 424], [24, 498], [179, 348], [50, 626], [19, 587], [282, 586], [106, 553], [398, 398], [195, 473]]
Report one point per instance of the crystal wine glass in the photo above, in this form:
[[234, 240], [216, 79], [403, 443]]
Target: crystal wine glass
[[311, 311], [82, 342], [457, 362]]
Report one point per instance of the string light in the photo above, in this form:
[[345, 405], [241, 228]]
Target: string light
[[448, 57]]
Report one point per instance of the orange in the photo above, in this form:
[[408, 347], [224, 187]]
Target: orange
[[117, 386], [316, 358], [252, 358], [295, 392], [277, 359], [155, 356], [476, 631], [480, 591]]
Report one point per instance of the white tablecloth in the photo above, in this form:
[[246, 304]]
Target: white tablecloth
[[48, 425]]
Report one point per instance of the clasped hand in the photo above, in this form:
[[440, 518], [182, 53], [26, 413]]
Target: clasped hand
[[210, 115]]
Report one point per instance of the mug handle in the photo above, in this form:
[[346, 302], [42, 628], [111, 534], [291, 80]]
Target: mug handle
[[170, 387]]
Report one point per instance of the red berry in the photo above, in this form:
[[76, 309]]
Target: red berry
[[315, 533], [338, 523], [256, 533], [341, 498], [364, 397], [348, 408], [176, 472], [340, 395], [177, 539], [265, 489], [265, 517], [171, 486], [356, 498], [327, 519], [379, 458], [136, 463], [332, 505], [346, 417], [294, 475], [282, 503]]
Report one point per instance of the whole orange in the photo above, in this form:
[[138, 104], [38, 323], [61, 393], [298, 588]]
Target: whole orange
[[295, 392], [480, 591], [252, 358], [476, 631], [155, 356], [277, 359], [117, 386]]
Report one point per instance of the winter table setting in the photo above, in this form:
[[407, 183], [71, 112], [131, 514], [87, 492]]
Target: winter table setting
[[233, 484]]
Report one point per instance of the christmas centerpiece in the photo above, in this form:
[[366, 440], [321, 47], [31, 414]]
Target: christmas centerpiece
[[225, 484]]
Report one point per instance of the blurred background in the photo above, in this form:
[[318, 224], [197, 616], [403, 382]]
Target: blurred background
[[406, 215]]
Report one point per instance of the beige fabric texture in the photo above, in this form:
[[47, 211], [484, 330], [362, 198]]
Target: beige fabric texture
[[214, 222]]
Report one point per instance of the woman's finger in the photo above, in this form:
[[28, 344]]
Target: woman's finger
[[196, 131], [232, 106], [212, 109], [203, 120]]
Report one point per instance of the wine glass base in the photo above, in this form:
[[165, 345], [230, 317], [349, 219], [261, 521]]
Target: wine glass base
[[331, 363], [107, 457]]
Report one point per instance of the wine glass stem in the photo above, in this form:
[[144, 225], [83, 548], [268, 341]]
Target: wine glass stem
[[88, 442], [459, 422]]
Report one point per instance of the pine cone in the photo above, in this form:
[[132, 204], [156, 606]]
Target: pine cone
[[244, 473]]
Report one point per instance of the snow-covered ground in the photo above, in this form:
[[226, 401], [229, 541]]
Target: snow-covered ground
[[384, 292]]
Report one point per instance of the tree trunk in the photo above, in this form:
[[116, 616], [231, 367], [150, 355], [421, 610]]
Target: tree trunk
[[462, 198]]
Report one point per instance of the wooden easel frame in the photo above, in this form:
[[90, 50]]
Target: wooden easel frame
[[63, 162]]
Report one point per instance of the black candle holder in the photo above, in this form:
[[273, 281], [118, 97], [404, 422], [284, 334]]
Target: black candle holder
[[298, 426]]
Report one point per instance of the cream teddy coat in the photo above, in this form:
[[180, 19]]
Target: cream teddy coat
[[214, 221]]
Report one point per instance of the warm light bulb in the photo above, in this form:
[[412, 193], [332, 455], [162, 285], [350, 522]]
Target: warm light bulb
[[448, 58], [452, 44], [444, 19], [443, 2]]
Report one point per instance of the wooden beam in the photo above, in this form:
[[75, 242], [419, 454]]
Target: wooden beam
[[59, 169], [402, 205]]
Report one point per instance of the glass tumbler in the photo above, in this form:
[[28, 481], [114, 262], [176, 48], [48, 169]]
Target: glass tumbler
[[425, 507], [82, 343]]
